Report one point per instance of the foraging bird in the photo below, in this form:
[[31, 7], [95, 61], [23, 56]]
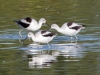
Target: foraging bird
[[30, 24], [69, 28], [42, 36]]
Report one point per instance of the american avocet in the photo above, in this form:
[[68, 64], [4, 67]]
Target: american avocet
[[42, 36], [30, 24], [69, 28]]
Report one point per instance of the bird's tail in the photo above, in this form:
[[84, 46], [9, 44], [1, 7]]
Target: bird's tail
[[83, 26], [16, 21]]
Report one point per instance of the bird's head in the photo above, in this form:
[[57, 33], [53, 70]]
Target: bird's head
[[54, 26], [43, 20]]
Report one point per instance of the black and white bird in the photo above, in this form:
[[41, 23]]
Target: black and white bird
[[69, 28], [29, 23], [42, 36]]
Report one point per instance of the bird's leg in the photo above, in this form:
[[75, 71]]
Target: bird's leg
[[20, 35], [20, 32], [71, 39], [49, 47], [76, 38]]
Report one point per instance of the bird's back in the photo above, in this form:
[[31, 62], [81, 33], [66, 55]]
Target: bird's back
[[44, 36]]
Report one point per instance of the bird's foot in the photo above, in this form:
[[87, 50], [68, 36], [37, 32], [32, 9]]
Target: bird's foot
[[34, 43]]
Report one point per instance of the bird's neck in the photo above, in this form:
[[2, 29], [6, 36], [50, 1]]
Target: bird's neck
[[40, 24], [58, 29], [33, 37]]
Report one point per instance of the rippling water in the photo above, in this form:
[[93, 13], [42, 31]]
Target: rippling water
[[63, 57]]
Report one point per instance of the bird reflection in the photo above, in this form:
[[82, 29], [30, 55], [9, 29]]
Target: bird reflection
[[72, 53], [42, 61], [41, 58]]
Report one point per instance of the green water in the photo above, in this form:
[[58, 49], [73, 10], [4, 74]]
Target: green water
[[75, 61]]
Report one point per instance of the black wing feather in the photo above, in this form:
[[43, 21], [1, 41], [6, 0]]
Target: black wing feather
[[76, 27], [25, 25]]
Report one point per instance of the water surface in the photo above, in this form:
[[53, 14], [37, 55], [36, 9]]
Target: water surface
[[62, 58]]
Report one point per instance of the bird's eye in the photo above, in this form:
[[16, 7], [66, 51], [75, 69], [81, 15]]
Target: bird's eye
[[29, 34], [53, 26], [43, 20]]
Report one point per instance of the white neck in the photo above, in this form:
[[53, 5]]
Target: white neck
[[58, 29], [33, 37], [40, 24]]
